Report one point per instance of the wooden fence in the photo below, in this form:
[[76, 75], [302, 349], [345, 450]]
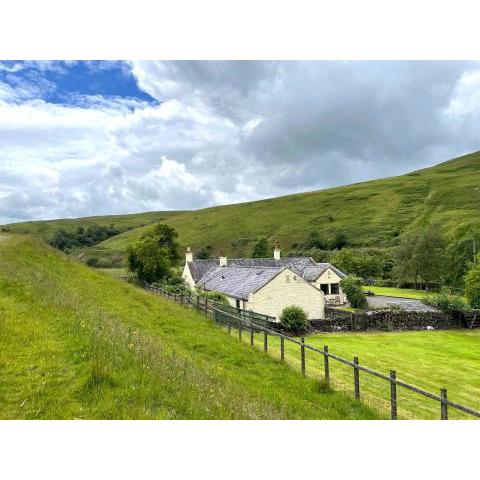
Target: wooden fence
[[247, 326]]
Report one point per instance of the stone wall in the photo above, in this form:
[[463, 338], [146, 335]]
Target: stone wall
[[389, 321]]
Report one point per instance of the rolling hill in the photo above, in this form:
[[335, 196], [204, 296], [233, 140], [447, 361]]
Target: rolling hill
[[369, 213], [76, 343]]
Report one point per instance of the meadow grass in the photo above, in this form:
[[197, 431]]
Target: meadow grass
[[77, 343], [427, 359]]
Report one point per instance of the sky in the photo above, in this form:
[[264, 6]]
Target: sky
[[110, 137]]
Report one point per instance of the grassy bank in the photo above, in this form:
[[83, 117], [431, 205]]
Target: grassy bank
[[77, 343]]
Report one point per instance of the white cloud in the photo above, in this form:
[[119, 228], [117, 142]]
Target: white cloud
[[228, 132]]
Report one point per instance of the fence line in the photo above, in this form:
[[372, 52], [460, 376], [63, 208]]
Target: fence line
[[224, 315]]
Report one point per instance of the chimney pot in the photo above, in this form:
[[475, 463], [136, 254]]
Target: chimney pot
[[276, 251], [189, 255]]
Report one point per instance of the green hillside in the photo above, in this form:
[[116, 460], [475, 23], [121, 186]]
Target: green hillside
[[76, 343], [45, 229], [370, 213]]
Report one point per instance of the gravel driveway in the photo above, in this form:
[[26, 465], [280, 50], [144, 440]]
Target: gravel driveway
[[408, 304]]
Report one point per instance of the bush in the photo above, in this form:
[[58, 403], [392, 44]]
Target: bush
[[446, 302], [213, 295], [294, 318], [92, 262], [472, 284], [352, 287]]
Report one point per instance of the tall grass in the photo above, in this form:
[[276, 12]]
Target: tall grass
[[75, 343]]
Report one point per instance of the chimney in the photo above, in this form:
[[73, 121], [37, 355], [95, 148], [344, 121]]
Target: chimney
[[276, 251], [188, 255], [222, 260]]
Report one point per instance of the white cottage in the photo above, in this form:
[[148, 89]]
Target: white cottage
[[267, 285]]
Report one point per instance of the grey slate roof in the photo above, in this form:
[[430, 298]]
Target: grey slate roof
[[312, 273], [238, 282], [198, 268]]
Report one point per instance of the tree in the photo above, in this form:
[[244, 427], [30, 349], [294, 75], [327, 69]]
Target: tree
[[458, 256], [359, 262], [420, 256], [472, 284], [205, 253], [352, 287], [153, 257], [261, 249], [339, 241], [294, 318], [315, 241]]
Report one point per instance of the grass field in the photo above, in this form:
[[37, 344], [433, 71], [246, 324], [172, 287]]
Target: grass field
[[427, 359], [398, 292], [370, 213], [77, 343]]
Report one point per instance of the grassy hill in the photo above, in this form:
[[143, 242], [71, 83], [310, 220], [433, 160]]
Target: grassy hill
[[45, 229], [370, 213], [77, 343]]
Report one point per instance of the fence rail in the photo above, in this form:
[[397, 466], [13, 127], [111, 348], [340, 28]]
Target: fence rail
[[254, 323]]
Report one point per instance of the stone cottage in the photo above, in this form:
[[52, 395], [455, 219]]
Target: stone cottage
[[268, 285]]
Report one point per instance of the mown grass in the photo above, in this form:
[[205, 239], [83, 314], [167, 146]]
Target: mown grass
[[398, 292], [370, 213], [77, 343], [427, 359]]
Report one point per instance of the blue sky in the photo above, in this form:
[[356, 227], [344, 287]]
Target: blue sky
[[64, 82], [95, 138]]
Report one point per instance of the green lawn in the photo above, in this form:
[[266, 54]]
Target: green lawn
[[77, 343], [398, 292], [430, 360]]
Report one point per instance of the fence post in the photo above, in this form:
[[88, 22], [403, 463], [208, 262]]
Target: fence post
[[356, 379], [393, 394], [326, 365], [175, 296], [443, 405], [181, 298], [302, 355], [251, 335], [282, 349], [240, 331], [229, 326], [265, 341], [206, 306], [198, 302]]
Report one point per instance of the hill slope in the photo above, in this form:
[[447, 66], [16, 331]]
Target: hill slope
[[370, 213], [45, 229], [75, 343]]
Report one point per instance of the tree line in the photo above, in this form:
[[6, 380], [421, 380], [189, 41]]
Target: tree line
[[82, 236]]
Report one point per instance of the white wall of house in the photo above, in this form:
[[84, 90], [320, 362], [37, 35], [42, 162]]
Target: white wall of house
[[328, 278], [187, 276], [284, 290]]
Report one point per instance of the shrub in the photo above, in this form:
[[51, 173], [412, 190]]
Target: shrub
[[294, 318], [214, 296], [352, 287], [472, 284], [92, 262], [446, 302]]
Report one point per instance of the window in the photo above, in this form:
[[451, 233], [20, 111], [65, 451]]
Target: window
[[335, 289], [237, 303], [324, 288]]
